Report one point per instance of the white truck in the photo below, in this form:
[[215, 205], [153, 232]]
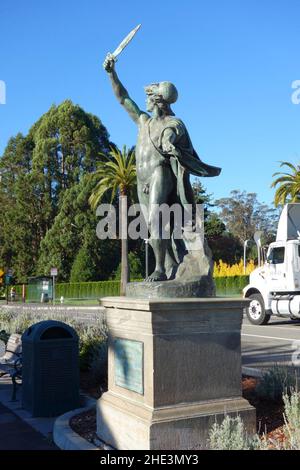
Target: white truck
[[274, 287]]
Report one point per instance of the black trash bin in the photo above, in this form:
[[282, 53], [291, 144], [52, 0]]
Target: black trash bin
[[50, 377]]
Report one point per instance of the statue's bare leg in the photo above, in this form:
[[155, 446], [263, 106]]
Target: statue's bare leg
[[160, 188]]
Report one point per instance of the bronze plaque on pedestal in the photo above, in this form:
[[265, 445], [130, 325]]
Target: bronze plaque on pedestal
[[129, 364]]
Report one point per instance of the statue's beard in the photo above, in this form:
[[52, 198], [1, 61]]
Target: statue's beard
[[162, 107], [150, 106]]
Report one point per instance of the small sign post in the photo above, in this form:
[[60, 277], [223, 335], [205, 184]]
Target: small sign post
[[53, 273], [7, 279]]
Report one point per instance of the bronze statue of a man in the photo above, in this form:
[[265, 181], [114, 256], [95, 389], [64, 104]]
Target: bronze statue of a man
[[164, 159]]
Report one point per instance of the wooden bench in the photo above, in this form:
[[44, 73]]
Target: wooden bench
[[11, 360]]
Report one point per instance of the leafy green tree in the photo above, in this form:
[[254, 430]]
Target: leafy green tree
[[96, 259], [288, 189], [226, 247], [137, 270], [221, 242], [243, 215], [71, 242], [201, 196], [117, 174], [38, 173], [213, 225], [67, 144], [20, 222], [84, 267]]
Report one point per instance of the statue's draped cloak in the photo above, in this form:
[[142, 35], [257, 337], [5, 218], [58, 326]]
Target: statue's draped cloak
[[184, 161]]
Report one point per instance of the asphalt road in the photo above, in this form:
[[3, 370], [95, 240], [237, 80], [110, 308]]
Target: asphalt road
[[275, 343]]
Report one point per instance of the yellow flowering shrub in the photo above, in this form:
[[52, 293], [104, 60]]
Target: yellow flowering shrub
[[222, 269]]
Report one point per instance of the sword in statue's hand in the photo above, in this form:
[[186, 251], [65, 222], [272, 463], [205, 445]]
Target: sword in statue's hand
[[112, 57]]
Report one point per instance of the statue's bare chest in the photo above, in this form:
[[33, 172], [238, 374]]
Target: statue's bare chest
[[147, 148], [150, 132]]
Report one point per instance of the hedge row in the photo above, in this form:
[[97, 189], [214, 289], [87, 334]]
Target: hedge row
[[87, 290], [19, 290], [228, 285]]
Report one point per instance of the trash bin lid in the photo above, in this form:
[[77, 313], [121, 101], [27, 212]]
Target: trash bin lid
[[49, 330]]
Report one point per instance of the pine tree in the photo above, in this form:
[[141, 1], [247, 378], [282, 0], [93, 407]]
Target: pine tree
[[39, 173]]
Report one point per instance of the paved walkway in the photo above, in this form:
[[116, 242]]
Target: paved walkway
[[15, 434], [18, 430]]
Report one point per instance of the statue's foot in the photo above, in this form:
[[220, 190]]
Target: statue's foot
[[156, 276]]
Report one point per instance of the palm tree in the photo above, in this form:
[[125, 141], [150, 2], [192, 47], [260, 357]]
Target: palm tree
[[117, 173], [289, 189]]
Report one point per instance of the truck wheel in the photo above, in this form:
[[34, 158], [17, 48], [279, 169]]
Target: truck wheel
[[256, 312]]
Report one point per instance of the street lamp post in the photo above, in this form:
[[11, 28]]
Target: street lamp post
[[257, 239], [245, 248]]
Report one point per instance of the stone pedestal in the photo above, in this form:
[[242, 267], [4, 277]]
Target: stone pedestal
[[174, 369]]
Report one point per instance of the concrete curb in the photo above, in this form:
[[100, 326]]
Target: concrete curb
[[67, 439]]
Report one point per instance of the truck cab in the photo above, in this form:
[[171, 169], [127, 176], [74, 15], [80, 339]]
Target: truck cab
[[274, 288]]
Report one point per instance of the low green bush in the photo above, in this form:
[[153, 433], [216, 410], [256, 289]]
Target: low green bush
[[292, 421], [92, 339], [92, 344], [231, 435], [275, 382], [98, 362]]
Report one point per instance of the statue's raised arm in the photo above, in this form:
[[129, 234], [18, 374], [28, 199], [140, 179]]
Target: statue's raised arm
[[120, 91]]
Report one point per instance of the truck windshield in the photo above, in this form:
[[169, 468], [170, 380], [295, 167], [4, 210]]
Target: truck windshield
[[276, 255]]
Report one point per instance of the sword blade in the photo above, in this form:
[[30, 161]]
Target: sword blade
[[125, 41]]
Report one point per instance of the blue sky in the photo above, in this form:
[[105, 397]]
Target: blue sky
[[233, 62]]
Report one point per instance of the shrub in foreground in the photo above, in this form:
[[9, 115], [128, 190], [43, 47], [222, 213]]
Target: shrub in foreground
[[92, 338], [231, 435], [276, 382]]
